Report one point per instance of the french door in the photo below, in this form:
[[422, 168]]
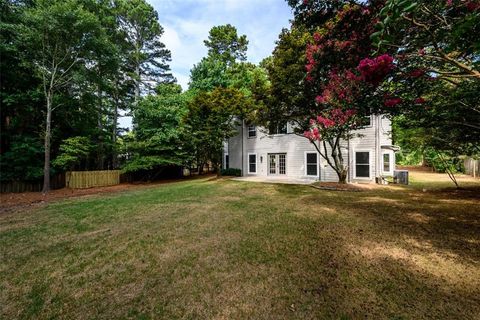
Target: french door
[[277, 163]]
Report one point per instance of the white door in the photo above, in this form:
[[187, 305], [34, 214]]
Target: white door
[[277, 164]]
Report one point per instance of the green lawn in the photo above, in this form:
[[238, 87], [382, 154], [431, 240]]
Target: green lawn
[[220, 249]]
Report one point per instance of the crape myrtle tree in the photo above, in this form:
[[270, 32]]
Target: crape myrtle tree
[[346, 99], [340, 75]]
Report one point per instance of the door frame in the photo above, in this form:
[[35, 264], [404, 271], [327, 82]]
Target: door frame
[[277, 164]]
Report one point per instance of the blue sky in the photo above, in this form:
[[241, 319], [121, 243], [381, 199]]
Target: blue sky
[[187, 23]]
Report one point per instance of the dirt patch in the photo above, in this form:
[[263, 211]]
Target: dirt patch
[[15, 201]]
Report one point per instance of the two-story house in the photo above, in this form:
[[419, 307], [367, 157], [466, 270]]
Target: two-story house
[[370, 155]]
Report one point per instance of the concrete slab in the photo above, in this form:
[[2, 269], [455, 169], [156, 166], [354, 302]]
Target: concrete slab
[[282, 180]]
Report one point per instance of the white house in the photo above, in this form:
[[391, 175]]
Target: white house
[[285, 154]]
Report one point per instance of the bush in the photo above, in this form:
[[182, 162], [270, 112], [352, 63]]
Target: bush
[[231, 172]]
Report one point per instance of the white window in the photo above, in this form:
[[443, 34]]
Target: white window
[[362, 164], [387, 163], [252, 163], [252, 131], [311, 164]]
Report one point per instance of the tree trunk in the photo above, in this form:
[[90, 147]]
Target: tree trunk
[[48, 133], [342, 176], [137, 84], [340, 169], [100, 149], [114, 133]]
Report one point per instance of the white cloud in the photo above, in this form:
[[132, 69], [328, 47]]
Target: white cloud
[[188, 22]]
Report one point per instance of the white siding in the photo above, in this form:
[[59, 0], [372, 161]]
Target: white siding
[[295, 147]]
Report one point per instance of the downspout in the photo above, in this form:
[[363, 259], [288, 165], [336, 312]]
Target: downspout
[[243, 165], [349, 178], [377, 149]]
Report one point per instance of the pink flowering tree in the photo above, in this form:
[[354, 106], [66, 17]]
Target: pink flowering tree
[[343, 100], [327, 132]]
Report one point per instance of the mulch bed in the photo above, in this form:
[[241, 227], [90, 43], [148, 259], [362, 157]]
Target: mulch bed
[[17, 201], [333, 186]]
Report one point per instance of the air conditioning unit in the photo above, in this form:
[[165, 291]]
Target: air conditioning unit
[[400, 176]]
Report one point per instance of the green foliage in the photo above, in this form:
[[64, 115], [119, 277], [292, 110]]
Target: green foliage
[[225, 91], [147, 54], [159, 137], [209, 74], [290, 97], [213, 117], [23, 160], [225, 45], [72, 152], [89, 54], [231, 172]]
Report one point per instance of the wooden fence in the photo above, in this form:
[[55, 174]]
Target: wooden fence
[[56, 182], [89, 179], [472, 167]]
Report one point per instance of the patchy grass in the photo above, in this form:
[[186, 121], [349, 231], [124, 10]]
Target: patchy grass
[[220, 249]]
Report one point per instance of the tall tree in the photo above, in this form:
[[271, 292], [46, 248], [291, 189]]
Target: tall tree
[[59, 35], [148, 55], [20, 142], [225, 45]]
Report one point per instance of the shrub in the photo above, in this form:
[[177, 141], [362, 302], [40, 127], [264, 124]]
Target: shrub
[[231, 172]]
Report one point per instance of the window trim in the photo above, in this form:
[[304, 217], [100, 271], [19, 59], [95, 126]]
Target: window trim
[[248, 163], [254, 131], [369, 164], [390, 162], [306, 164]]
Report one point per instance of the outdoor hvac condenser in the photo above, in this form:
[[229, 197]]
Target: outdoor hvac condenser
[[400, 176]]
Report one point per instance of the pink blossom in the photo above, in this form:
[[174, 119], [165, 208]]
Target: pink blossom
[[375, 70], [419, 101], [417, 73], [391, 102]]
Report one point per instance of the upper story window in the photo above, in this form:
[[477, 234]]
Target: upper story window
[[252, 131], [279, 128], [367, 121]]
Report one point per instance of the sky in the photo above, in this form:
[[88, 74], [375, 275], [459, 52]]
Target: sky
[[186, 25]]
